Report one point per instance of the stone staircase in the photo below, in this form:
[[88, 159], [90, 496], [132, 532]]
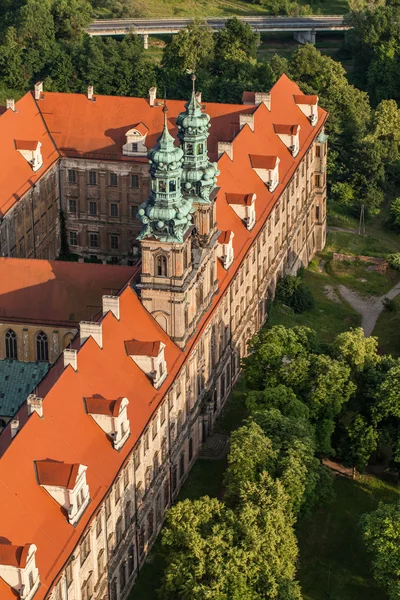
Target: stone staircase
[[216, 447]]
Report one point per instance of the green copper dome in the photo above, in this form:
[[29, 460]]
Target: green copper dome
[[199, 175], [165, 215]]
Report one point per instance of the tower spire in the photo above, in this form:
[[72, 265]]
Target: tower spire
[[165, 215]]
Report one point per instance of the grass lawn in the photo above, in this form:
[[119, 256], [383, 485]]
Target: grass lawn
[[215, 8], [334, 563]]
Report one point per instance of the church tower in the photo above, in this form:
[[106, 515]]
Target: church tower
[[179, 276], [199, 175]]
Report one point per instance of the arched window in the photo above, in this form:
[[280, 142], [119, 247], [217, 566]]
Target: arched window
[[11, 344], [42, 346], [161, 265]]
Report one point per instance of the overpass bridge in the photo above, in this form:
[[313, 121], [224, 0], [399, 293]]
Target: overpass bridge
[[304, 28]]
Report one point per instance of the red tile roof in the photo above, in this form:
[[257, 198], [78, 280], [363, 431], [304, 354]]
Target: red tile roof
[[225, 237], [14, 556], [16, 174], [258, 161], [62, 293], [289, 129], [245, 199], [75, 437], [97, 129], [59, 474], [141, 128], [6, 592], [97, 405], [249, 97], [303, 99], [138, 348]]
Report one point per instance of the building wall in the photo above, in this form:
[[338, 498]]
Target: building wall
[[58, 339], [116, 543], [31, 228], [102, 198]]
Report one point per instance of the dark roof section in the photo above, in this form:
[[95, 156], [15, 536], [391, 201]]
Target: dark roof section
[[18, 380]]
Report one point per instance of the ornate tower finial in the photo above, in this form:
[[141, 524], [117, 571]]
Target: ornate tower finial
[[165, 215], [199, 174]]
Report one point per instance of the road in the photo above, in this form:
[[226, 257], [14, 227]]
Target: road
[[261, 24]]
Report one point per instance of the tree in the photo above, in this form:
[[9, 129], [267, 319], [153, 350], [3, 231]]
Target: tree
[[236, 41], [292, 291], [381, 533], [37, 35], [71, 17], [281, 397], [192, 47], [356, 350], [250, 454], [362, 441]]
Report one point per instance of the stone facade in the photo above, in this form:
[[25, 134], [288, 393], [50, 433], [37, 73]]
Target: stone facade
[[29, 342], [31, 228]]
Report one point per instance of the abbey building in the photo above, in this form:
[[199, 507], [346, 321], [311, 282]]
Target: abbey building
[[211, 204]]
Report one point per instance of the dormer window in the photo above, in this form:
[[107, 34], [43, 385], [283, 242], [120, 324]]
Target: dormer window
[[30, 150], [18, 569], [225, 248], [66, 483], [267, 168], [111, 416], [244, 207], [289, 135], [149, 357], [136, 141], [308, 106]]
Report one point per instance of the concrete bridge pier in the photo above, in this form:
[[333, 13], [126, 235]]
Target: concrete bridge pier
[[146, 41], [305, 37]]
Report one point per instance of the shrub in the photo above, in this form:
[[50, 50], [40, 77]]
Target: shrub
[[389, 304], [293, 292], [394, 261]]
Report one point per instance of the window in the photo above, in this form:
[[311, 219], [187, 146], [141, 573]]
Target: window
[[114, 242], [117, 492], [92, 177], [92, 209], [155, 465], [127, 515], [317, 180], [150, 523], [85, 548], [317, 212], [42, 346], [71, 176], [122, 576], [189, 149], [94, 240], [80, 498], [134, 210], [113, 179], [162, 413], [162, 186], [11, 344], [30, 579], [131, 559], [135, 181], [147, 478], [99, 525], [181, 466], [68, 574], [114, 210], [72, 206], [200, 149], [108, 508], [191, 446], [161, 266], [136, 457], [166, 493], [154, 426], [100, 563], [114, 589], [134, 147], [119, 531], [318, 151], [172, 186]]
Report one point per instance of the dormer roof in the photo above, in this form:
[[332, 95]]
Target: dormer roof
[[57, 474], [249, 97], [225, 237], [141, 128], [14, 556], [241, 199], [139, 348], [305, 99], [26, 145], [259, 161], [97, 405], [287, 129]]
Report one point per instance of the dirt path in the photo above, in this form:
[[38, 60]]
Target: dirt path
[[369, 308], [342, 229]]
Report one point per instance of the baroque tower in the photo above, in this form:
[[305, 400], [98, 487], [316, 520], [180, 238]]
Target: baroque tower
[[179, 259]]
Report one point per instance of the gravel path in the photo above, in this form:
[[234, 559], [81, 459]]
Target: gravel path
[[369, 308]]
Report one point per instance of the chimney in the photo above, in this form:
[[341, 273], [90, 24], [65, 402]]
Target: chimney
[[111, 303], [263, 97], [225, 147], [152, 95], [246, 119], [90, 328], [198, 97], [10, 104], [70, 358], [90, 92], [35, 404], [38, 89], [14, 427]]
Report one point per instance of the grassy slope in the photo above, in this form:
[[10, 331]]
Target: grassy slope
[[333, 560]]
